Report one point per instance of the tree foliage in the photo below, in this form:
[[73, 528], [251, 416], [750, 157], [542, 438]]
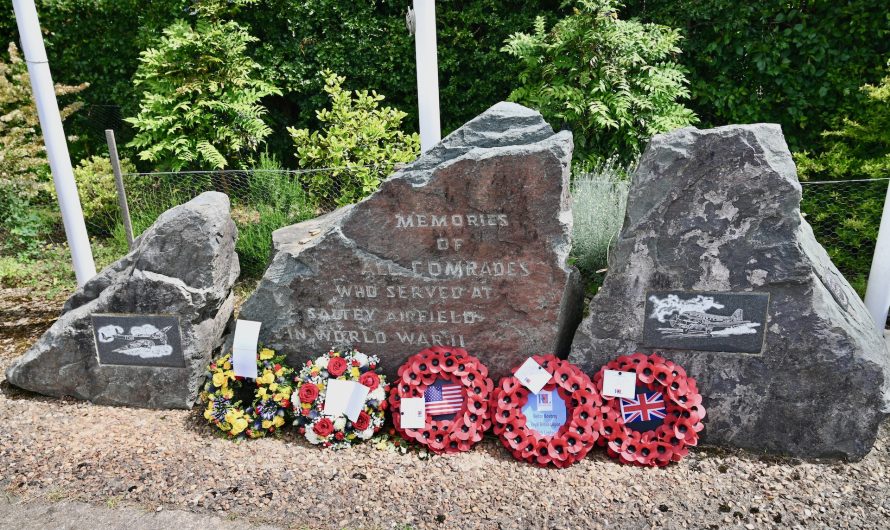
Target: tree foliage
[[860, 148], [200, 104], [790, 62], [613, 82], [25, 182], [358, 136]]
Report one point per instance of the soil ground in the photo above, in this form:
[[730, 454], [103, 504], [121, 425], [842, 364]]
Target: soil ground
[[70, 464]]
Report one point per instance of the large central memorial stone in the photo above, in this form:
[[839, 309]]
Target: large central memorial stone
[[465, 247], [716, 268]]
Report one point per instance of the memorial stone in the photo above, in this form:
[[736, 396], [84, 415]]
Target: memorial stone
[[716, 268], [465, 247], [141, 332]]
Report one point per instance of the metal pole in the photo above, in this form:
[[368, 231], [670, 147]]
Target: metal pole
[[877, 295], [119, 183], [427, 73], [54, 138]]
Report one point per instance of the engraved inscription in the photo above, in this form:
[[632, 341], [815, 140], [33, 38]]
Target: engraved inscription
[[423, 287]]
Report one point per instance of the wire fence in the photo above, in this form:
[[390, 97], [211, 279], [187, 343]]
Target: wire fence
[[845, 215], [262, 201]]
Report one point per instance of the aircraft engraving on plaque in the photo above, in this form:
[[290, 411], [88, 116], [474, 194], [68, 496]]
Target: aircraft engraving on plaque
[[138, 340], [708, 321]]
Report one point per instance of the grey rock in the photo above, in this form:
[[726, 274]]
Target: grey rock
[[185, 265], [498, 188], [719, 210]]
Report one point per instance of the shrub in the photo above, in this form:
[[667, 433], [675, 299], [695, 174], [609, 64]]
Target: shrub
[[361, 140], [793, 63], [599, 198], [26, 211], [846, 216], [200, 106], [98, 192], [613, 82], [276, 199], [861, 147]]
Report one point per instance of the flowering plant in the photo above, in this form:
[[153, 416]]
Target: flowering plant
[[311, 390], [271, 404], [225, 394]]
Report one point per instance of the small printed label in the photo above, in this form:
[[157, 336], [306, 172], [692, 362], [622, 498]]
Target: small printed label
[[533, 376], [413, 413], [244, 348], [619, 384], [545, 401]]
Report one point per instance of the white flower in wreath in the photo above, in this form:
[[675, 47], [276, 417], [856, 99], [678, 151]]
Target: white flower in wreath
[[322, 361], [311, 437], [340, 423], [366, 434], [361, 358], [377, 394]]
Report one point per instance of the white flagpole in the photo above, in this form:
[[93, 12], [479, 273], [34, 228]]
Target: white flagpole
[[427, 73], [877, 295], [54, 138]]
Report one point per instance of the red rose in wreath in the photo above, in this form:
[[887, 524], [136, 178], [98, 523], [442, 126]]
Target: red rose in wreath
[[323, 427], [362, 422], [370, 380], [663, 419], [336, 366], [572, 440], [457, 424], [308, 392]]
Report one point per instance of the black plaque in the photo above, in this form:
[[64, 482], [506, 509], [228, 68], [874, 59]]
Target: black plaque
[[138, 340], [707, 321]]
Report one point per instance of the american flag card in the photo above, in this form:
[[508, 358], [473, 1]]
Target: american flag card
[[645, 407], [443, 398]]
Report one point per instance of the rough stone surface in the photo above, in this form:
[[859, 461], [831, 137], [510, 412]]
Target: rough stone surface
[[184, 265], [466, 246], [719, 210]]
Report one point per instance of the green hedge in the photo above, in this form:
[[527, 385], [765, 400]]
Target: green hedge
[[98, 41], [799, 64]]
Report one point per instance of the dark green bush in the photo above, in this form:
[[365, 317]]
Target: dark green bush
[[799, 64], [99, 41]]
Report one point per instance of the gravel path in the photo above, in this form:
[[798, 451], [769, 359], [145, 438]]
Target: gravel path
[[65, 451]]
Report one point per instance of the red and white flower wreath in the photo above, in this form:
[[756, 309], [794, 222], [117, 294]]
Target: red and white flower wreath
[[671, 440], [573, 440], [453, 365]]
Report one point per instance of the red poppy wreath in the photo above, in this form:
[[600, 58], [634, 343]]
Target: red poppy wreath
[[661, 421], [456, 390], [558, 426]]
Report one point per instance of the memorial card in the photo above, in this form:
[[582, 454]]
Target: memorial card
[[413, 411], [619, 384], [244, 348], [344, 397], [545, 412], [532, 375], [138, 340]]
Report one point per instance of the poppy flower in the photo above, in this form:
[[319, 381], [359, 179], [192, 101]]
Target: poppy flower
[[646, 372]]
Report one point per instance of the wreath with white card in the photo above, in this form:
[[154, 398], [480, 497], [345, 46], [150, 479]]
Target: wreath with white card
[[268, 396], [659, 420], [340, 398], [556, 425], [441, 399]]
